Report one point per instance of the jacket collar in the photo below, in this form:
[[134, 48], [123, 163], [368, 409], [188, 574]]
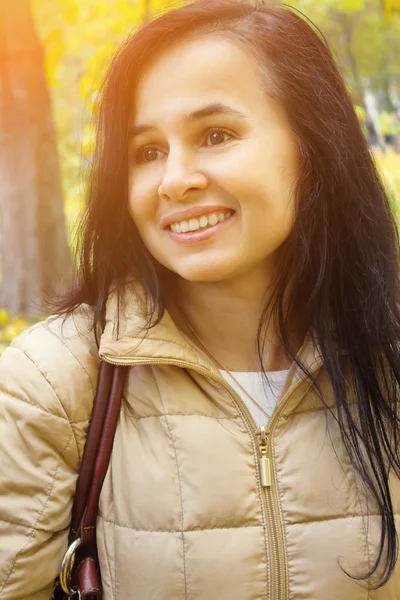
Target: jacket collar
[[165, 343]]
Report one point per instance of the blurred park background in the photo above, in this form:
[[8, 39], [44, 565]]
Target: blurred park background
[[53, 55]]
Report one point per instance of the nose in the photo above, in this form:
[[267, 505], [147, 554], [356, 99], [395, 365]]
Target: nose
[[181, 178]]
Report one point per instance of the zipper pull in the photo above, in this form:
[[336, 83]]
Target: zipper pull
[[265, 464]]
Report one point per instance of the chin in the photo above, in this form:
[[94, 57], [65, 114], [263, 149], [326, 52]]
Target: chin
[[204, 273]]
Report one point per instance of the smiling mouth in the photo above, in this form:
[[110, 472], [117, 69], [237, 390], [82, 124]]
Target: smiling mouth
[[200, 223]]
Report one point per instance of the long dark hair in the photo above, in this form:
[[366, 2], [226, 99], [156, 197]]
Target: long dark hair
[[340, 263]]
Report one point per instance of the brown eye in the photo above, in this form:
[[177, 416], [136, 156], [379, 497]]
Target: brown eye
[[217, 137], [149, 154]]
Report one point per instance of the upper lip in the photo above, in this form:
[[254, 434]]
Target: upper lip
[[191, 213]]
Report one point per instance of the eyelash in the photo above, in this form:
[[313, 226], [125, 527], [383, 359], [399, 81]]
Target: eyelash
[[139, 153]]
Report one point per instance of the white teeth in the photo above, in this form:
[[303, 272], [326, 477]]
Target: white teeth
[[193, 224], [201, 222]]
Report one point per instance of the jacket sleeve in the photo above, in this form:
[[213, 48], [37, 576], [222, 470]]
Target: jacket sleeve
[[39, 461]]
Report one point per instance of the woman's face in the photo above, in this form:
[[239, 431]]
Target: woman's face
[[212, 155]]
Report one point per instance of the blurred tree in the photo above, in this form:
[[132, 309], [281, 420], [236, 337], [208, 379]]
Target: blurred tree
[[79, 40], [365, 43], [34, 248]]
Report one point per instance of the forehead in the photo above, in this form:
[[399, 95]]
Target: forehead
[[196, 72]]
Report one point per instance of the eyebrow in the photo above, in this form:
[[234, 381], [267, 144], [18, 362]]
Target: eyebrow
[[210, 109]]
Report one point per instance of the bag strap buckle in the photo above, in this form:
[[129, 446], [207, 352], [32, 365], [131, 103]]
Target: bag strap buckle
[[67, 566]]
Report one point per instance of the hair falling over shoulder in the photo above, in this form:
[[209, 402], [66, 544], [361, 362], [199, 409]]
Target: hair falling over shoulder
[[340, 264]]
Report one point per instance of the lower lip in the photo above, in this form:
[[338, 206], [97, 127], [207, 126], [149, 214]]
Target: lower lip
[[201, 235]]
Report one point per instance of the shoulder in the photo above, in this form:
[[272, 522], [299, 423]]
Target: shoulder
[[59, 355], [47, 385]]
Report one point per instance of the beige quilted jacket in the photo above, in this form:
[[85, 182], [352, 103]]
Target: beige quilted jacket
[[186, 512]]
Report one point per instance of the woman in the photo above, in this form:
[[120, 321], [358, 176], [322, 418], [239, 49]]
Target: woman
[[236, 234]]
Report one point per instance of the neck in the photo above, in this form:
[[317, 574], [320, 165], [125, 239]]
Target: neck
[[225, 317]]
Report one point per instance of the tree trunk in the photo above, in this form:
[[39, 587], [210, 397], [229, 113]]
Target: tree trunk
[[35, 255]]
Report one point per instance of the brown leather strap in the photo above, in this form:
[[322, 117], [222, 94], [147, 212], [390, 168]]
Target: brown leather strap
[[87, 576], [96, 457], [84, 481], [88, 525]]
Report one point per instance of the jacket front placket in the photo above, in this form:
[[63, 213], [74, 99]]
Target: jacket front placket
[[263, 448]]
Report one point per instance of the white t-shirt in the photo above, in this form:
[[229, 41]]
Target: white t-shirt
[[259, 389]]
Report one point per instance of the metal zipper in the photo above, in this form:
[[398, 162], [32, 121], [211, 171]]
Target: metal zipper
[[275, 529], [276, 549], [265, 462]]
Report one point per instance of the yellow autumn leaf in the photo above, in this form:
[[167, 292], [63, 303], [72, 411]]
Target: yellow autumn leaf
[[127, 10], [55, 48], [71, 12], [391, 6], [3, 316], [350, 6]]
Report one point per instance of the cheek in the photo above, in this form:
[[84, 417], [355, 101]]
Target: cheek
[[269, 163], [142, 199], [269, 187], [279, 174]]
